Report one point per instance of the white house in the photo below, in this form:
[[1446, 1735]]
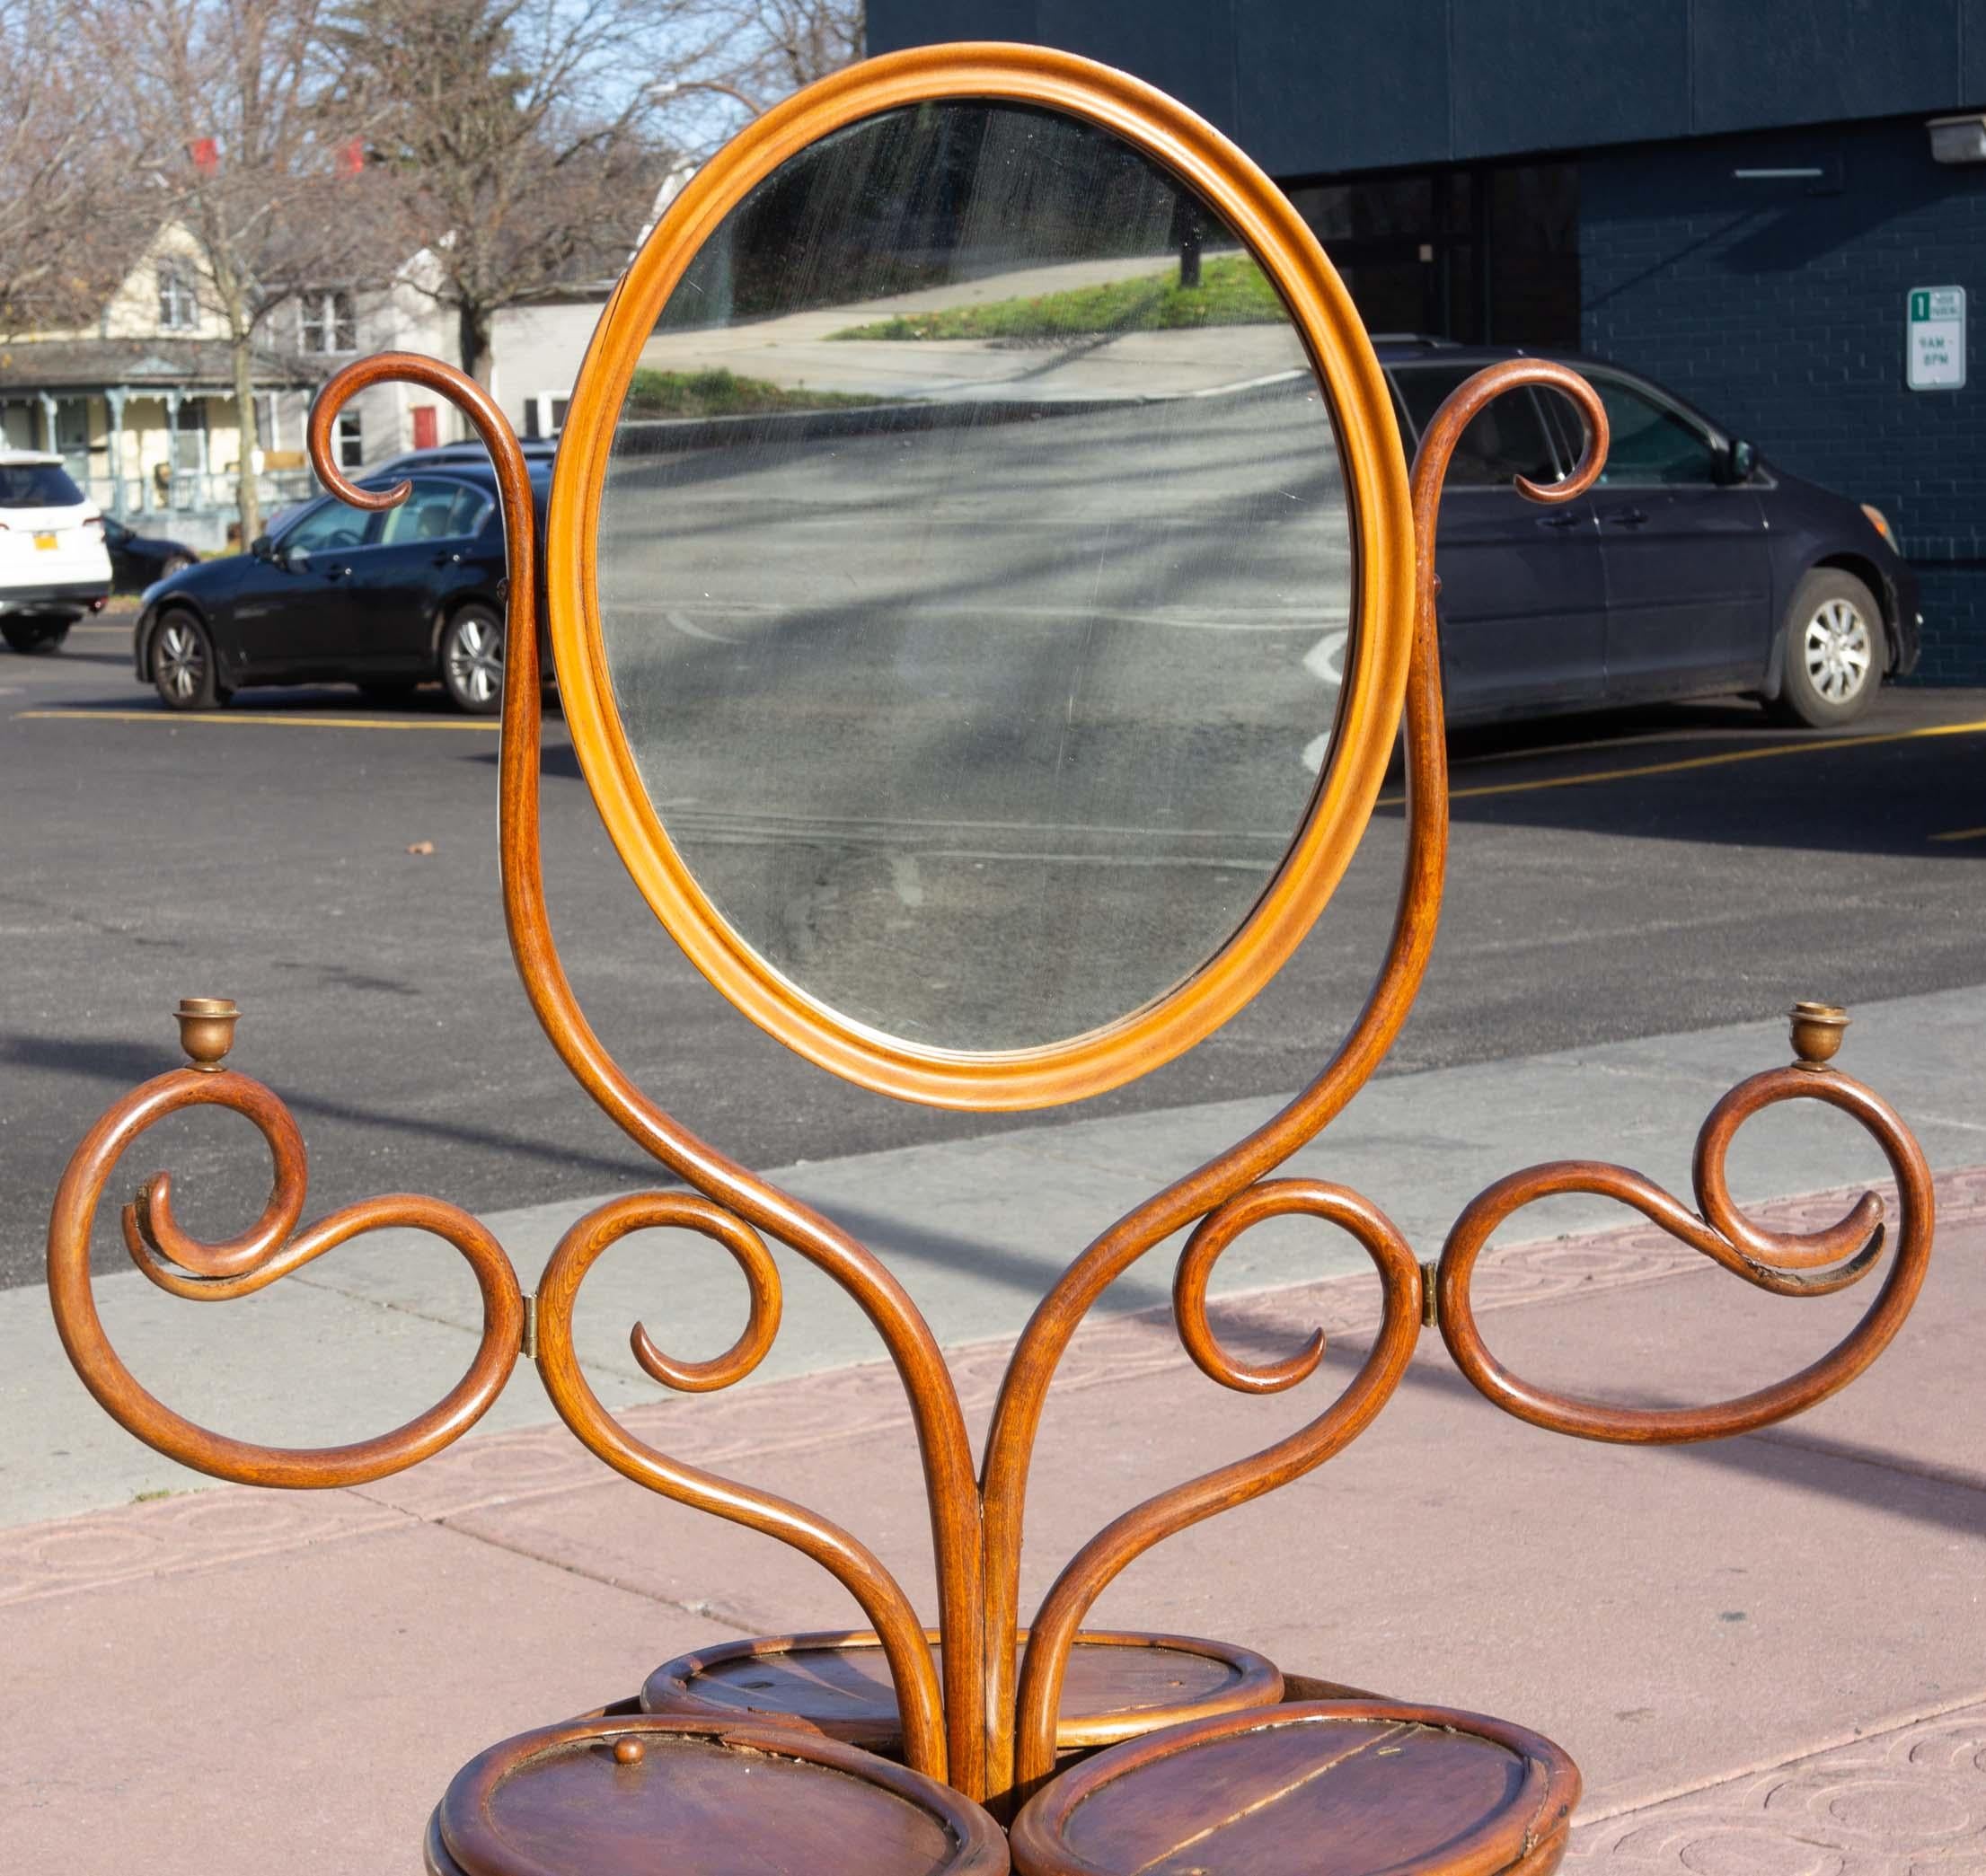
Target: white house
[[141, 403]]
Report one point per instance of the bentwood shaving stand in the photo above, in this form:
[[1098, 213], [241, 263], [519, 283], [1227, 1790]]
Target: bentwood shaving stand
[[988, 635]]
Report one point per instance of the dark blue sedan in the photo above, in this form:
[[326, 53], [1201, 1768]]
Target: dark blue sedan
[[1694, 568], [387, 601]]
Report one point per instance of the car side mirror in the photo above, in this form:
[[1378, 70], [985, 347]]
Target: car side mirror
[[1740, 460], [262, 548]]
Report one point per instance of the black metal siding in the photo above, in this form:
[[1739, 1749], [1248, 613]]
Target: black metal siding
[[1313, 87]]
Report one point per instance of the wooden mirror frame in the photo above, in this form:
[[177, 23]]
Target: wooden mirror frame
[[1378, 642]]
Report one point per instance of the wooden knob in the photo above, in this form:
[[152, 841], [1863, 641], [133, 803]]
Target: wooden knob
[[207, 1030], [1817, 1032]]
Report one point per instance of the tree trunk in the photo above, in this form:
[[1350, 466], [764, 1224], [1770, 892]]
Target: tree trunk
[[242, 345], [472, 328]]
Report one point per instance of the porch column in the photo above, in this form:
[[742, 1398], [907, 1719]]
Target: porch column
[[47, 421], [114, 397], [172, 445]]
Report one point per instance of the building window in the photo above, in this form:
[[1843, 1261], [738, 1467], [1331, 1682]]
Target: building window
[[351, 442], [545, 415], [328, 324], [1487, 255], [178, 309]]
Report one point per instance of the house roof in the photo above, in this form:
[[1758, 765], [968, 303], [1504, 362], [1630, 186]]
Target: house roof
[[144, 364]]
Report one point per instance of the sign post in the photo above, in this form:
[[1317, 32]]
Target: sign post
[[1934, 347]]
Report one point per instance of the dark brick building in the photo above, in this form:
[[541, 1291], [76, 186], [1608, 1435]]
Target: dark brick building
[[1737, 197]]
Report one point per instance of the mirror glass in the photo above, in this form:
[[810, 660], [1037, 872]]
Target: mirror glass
[[974, 575]]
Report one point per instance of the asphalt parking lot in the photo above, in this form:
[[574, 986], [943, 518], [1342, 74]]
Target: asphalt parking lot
[[1611, 878]]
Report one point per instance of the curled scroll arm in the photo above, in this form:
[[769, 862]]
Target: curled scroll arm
[[1128, 1537], [271, 1249], [852, 1564], [1785, 1264]]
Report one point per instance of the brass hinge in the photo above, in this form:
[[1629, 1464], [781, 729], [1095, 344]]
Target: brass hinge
[[1430, 1296], [528, 1346]]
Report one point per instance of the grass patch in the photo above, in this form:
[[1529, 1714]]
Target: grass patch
[[723, 393], [1233, 291]]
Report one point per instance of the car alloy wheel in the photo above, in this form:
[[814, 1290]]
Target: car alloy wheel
[[1838, 650], [179, 663], [472, 661]]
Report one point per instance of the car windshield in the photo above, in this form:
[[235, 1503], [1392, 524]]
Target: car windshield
[[37, 485]]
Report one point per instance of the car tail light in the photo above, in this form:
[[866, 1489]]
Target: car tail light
[[1880, 522]]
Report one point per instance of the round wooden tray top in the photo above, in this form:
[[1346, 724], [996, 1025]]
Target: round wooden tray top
[[1118, 1686], [630, 1797], [1353, 1788]]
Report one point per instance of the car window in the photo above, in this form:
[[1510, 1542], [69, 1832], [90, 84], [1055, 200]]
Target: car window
[[332, 525], [435, 511], [1506, 440], [1648, 443], [37, 485]]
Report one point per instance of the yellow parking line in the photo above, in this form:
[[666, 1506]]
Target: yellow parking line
[[1962, 833], [1720, 759], [297, 721], [1583, 778]]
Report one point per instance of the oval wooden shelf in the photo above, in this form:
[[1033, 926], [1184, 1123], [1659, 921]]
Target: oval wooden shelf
[[1119, 1686], [1354, 1787], [626, 1797]]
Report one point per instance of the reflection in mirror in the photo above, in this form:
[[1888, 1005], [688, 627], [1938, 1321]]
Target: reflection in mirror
[[973, 576]]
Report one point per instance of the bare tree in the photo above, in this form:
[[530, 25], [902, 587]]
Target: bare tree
[[224, 103], [788, 43], [66, 224], [521, 153]]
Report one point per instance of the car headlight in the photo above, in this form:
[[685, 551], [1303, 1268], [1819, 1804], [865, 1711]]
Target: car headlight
[[1880, 522]]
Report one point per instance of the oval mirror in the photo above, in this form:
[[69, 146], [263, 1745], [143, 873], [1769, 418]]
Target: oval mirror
[[974, 578]]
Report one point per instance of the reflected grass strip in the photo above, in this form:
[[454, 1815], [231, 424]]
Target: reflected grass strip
[[1233, 291]]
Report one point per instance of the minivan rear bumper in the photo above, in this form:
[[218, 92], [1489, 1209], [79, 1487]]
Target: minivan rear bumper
[[73, 597]]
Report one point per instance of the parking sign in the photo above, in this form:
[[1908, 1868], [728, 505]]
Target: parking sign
[[1934, 347]]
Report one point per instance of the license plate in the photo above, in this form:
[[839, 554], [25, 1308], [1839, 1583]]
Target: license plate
[[45, 540]]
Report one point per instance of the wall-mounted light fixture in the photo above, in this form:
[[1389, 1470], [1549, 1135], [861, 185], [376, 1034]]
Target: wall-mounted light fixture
[[1961, 139]]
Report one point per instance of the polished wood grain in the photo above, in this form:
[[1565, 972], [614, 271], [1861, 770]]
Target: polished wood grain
[[1117, 1684], [1354, 1788], [629, 1797], [1818, 1264], [1367, 440], [271, 1249]]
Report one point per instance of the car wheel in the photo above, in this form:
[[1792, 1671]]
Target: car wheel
[[32, 638], [1835, 650], [182, 664], [472, 661]]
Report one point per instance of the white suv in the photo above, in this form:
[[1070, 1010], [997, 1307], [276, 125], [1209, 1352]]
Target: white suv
[[54, 565]]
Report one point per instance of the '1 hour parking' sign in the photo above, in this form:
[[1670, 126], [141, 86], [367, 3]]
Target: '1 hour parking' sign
[[1934, 348]]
